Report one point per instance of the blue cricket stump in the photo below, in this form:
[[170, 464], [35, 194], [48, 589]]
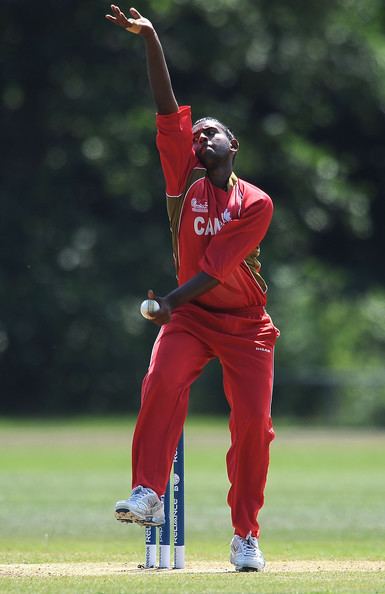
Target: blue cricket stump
[[164, 533], [177, 521], [179, 505]]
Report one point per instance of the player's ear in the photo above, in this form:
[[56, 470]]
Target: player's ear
[[234, 146]]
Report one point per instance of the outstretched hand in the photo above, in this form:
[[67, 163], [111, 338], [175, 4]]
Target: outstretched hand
[[136, 24]]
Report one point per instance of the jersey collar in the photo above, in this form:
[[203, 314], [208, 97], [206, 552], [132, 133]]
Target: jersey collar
[[232, 181]]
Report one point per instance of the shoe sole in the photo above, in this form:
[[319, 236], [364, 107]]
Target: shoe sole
[[128, 517], [246, 569]]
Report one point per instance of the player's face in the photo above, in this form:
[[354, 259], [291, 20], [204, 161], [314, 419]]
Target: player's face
[[211, 144]]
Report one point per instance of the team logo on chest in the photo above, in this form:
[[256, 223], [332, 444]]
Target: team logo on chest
[[199, 205]]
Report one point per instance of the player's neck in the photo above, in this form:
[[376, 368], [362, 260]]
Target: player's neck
[[219, 176]]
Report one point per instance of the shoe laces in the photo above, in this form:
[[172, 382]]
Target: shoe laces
[[139, 491], [250, 546]]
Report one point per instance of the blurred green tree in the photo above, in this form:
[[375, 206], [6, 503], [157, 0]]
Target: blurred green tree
[[83, 227]]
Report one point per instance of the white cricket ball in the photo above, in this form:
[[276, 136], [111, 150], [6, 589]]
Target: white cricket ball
[[149, 307]]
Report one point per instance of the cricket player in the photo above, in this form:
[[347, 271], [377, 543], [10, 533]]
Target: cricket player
[[217, 222]]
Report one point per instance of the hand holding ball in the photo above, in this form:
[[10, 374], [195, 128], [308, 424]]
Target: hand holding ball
[[148, 308]]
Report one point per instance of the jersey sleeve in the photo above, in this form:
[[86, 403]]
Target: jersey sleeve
[[237, 238], [174, 143]]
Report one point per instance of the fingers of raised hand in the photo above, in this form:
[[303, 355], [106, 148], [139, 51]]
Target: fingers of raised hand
[[135, 13], [118, 18]]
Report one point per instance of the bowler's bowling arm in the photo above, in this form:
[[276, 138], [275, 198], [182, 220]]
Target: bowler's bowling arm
[[158, 75], [157, 70]]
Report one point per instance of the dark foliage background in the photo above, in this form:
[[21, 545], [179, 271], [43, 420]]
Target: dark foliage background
[[84, 231]]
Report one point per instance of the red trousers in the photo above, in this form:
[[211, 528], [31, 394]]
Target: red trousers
[[243, 341]]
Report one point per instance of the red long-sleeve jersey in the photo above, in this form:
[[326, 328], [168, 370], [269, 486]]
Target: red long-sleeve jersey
[[213, 230]]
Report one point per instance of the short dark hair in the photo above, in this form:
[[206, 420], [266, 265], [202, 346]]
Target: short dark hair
[[227, 130]]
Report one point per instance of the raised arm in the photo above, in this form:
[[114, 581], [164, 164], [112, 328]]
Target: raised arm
[[157, 70]]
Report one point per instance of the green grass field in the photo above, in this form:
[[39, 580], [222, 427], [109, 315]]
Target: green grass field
[[323, 524]]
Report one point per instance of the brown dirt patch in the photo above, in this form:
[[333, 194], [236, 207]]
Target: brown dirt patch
[[109, 569]]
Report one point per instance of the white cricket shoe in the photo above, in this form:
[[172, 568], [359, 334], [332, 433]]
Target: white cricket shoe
[[143, 507], [245, 554]]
